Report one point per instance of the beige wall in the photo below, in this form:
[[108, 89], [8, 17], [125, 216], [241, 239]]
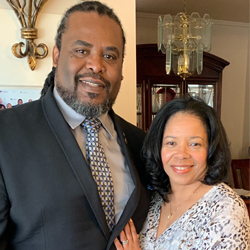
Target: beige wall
[[230, 41], [15, 72]]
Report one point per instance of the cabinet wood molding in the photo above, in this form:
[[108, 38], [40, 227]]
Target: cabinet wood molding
[[151, 70]]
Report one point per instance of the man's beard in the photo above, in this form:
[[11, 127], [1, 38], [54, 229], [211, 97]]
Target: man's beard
[[84, 108]]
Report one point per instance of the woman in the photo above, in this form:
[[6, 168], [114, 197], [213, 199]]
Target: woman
[[188, 157]]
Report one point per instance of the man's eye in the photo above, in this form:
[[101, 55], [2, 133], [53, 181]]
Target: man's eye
[[110, 57], [81, 51]]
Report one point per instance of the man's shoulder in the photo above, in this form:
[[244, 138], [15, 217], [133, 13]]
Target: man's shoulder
[[20, 116], [19, 110], [125, 125]]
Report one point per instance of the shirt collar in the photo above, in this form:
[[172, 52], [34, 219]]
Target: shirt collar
[[74, 119]]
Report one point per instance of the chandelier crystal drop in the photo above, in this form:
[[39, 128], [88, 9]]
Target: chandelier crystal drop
[[183, 39]]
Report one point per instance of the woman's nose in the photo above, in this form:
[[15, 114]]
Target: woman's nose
[[182, 152]]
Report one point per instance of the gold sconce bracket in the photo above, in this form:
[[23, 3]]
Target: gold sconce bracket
[[28, 31]]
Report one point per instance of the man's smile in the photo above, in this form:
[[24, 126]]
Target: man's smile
[[92, 84]]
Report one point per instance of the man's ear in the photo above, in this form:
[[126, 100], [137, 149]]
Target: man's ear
[[55, 56]]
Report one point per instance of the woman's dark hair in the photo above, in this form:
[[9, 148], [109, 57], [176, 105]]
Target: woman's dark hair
[[86, 6], [219, 156]]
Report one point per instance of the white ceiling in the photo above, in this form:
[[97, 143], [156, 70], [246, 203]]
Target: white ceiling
[[226, 10]]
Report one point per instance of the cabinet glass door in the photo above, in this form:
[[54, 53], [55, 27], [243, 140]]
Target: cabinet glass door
[[161, 94], [205, 92], [139, 106], [151, 97]]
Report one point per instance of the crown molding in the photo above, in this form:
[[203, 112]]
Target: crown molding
[[215, 22]]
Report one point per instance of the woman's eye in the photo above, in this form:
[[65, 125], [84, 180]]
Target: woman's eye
[[171, 143], [195, 144]]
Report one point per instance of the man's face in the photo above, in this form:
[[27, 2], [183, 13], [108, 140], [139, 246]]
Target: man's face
[[89, 64]]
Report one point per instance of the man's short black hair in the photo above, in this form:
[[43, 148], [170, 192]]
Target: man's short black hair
[[87, 6]]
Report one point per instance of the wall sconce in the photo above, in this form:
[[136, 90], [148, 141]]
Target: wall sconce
[[27, 16]]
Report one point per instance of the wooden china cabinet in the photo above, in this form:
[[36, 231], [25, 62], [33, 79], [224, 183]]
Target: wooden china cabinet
[[155, 88]]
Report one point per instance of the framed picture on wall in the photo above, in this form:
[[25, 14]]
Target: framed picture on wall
[[11, 96]]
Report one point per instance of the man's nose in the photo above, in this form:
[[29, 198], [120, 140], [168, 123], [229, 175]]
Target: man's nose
[[95, 63]]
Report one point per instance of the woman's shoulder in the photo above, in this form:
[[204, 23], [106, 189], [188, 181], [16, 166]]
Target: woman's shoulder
[[156, 198], [223, 209], [224, 192], [155, 203], [223, 197]]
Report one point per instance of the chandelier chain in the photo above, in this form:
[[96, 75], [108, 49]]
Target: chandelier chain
[[184, 6]]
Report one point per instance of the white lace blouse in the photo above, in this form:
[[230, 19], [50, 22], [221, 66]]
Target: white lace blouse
[[219, 220]]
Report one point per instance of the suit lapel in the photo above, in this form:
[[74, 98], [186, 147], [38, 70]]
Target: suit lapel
[[75, 158], [81, 169], [134, 198]]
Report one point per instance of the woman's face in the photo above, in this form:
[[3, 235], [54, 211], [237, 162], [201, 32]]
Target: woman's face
[[184, 149]]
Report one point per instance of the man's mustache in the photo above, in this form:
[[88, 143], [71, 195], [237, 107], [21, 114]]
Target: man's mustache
[[94, 76]]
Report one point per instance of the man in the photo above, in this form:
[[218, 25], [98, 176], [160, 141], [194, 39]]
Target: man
[[49, 197], [2, 106], [19, 102]]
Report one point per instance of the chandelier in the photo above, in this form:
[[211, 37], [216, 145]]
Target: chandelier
[[183, 39]]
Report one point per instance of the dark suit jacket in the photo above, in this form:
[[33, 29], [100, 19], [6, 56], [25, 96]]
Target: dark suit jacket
[[48, 198]]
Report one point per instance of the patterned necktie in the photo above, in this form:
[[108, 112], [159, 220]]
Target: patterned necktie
[[100, 169]]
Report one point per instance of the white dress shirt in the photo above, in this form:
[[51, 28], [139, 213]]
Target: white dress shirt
[[122, 180]]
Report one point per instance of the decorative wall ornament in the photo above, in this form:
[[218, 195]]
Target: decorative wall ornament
[[27, 16]]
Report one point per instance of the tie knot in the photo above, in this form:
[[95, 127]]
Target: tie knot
[[91, 124]]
